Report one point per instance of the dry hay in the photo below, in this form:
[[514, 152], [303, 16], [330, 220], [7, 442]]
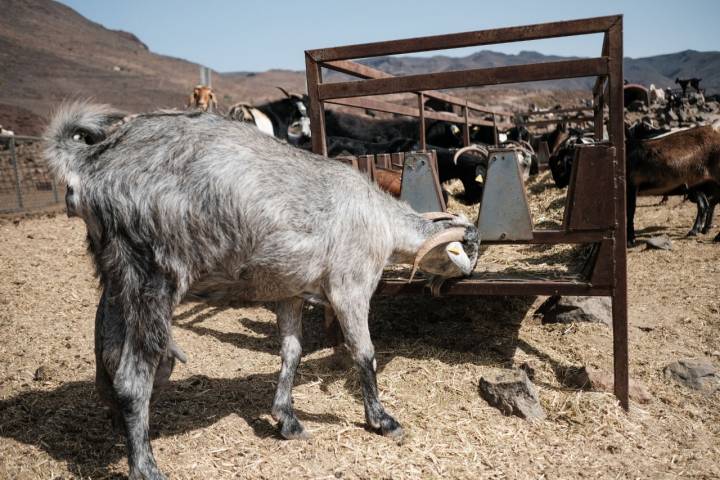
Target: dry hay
[[214, 420]]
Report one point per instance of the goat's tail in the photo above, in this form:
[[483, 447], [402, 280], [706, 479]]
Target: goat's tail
[[74, 128]]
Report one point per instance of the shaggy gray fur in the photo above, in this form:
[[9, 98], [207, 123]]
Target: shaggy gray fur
[[190, 204]]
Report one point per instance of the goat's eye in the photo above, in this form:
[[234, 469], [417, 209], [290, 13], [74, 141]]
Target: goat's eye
[[77, 137]]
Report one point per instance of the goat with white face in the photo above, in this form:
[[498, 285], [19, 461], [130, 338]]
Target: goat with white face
[[192, 204]]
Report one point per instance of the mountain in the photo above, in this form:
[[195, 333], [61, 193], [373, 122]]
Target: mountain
[[49, 53], [660, 70]]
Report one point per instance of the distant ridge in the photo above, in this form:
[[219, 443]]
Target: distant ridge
[[49, 53]]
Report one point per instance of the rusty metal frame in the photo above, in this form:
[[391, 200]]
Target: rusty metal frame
[[599, 220]]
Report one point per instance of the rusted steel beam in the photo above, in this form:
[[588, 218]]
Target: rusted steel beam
[[560, 110], [421, 109], [467, 39], [363, 71], [480, 286], [550, 121], [466, 127], [466, 78], [542, 237], [317, 112], [617, 137], [388, 107]]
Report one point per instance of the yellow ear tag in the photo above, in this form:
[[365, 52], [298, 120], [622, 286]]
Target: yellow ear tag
[[454, 250], [479, 179]]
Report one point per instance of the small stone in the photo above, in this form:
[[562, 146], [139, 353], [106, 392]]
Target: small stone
[[695, 374], [513, 394], [587, 378], [557, 309], [42, 374], [661, 242]]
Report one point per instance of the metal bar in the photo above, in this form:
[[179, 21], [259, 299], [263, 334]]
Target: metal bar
[[18, 189], [421, 109], [363, 71], [560, 110], [479, 286], [317, 112], [466, 39], [56, 197], [495, 131], [389, 107], [617, 137], [466, 78], [550, 121], [466, 127]]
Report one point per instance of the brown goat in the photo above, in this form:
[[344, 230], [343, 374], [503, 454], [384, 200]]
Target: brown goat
[[202, 98], [389, 180], [662, 164]]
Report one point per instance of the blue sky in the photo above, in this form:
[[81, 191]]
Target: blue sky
[[252, 35]]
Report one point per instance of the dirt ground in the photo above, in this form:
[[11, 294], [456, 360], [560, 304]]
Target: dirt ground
[[214, 421]]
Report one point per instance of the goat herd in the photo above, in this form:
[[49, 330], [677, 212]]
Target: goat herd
[[195, 205], [660, 161]]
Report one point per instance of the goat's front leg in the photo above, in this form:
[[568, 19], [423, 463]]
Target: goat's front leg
[[353, 317], [709, 216], [289, 317], [702, 210]]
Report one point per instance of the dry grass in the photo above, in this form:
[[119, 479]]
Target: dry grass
[[214, 421]]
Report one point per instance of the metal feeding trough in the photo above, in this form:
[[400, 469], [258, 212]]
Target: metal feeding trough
[[504, 213]]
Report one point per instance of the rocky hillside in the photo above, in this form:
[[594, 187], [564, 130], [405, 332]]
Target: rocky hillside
[[49, 53]]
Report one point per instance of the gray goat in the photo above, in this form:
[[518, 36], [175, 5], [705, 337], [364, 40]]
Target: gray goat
[[188, 204]]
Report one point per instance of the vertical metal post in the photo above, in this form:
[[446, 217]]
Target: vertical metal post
[[317, 113], [56, 198], [617, 137], [495, 131], [466, 127], [421, 110], [18, 189]]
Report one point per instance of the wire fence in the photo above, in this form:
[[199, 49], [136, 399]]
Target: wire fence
[[25, 181]]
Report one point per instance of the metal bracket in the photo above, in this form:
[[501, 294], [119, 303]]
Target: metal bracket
[[420, 187], [504, 213]]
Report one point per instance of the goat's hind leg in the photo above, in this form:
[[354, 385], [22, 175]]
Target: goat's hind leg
[[289, 317], [147, 321]]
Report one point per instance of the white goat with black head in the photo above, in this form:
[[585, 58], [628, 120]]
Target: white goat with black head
[[191, 204]]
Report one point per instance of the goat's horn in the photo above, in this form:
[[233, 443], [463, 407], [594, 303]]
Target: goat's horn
[[295, 95], [433, 216], [455, 234], [467, 149]]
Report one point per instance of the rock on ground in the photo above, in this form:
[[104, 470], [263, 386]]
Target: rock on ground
[[557, 309], [513, 394], [695, 374], [587, 378]]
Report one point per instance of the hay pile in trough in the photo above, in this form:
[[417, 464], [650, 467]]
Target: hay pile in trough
[[547, 204]]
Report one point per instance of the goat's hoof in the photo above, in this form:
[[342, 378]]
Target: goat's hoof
[[149, 474], [292, 429], [717, 238], [631, 243], [692, 233], [390, 427]]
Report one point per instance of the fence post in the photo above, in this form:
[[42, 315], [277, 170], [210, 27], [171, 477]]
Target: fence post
[[56, 198], [18, 190]]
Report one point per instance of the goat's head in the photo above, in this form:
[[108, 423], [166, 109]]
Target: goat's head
[[451, 252], [299, 124], [203, 98]]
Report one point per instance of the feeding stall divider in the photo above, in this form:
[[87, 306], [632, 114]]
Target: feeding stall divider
[[595, 204]]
